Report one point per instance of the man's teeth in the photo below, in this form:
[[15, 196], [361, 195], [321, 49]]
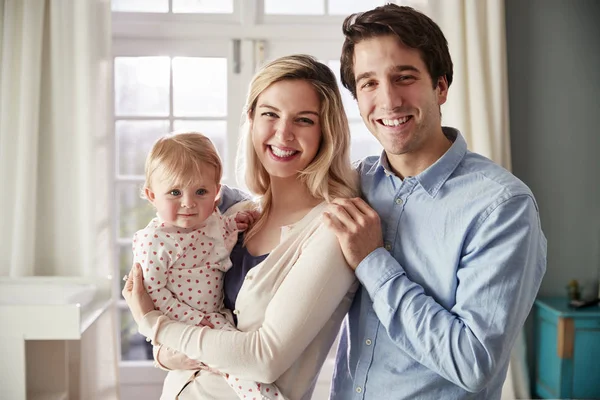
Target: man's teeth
[[394, 122], [282, 153]]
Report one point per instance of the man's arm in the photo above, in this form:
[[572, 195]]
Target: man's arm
[[501, 267], [230, 196]]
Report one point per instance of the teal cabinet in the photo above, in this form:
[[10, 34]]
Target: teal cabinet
[[567, 350]]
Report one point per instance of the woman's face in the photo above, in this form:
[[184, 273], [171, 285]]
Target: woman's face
[[286, 127]]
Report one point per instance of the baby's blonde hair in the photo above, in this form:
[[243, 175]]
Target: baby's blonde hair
[[180, 158]]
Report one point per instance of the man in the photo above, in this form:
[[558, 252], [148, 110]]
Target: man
[[451, 254]]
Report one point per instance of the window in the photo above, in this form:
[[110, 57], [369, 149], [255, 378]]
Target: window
[[185, 65]]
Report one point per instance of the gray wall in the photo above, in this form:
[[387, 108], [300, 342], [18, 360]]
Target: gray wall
[[554, 82]]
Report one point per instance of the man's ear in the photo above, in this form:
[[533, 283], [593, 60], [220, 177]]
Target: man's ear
[[442, 89], [149, 194]]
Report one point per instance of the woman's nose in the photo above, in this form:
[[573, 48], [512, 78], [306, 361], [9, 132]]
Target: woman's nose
[[284, 131]]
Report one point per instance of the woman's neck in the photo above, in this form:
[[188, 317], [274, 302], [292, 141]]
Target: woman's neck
[[291, 199]]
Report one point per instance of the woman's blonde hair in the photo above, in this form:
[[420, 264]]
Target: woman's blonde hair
[[329, 175], [181, 157]]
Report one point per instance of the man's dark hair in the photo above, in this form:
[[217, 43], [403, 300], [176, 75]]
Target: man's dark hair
[[413, 28]]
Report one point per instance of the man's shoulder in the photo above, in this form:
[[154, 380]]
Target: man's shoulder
[[477, 171], [366, 165]]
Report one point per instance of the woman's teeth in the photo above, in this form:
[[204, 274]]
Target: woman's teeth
[[394, 122], [282, 153]]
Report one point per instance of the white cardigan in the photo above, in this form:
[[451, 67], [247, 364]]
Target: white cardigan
[[289, 311]]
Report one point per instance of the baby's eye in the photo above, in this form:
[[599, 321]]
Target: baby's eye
[[175, 192], [201, 192]]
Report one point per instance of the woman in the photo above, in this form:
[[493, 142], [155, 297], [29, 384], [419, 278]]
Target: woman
[[290, 306]]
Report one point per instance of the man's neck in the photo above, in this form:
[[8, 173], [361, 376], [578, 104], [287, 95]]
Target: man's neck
[[414, 162]]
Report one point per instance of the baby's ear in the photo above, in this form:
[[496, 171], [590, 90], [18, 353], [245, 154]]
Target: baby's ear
[[218, 196], [149, 194]]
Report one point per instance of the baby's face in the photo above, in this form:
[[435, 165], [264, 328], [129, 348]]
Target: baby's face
[[185, 206]]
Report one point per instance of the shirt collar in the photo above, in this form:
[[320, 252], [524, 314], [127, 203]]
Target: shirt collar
[[434, 177]]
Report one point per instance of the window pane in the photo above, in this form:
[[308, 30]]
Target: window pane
[[140, 5], [347, 7], [215, 130], [142, 86], [134, 211], [304, 7], [134, 141], [350, 104], [125, 261], [203, 6], [133, 345], [363, 143], [199, 87]]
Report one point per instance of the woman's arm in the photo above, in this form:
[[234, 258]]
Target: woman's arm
[[304, 302]]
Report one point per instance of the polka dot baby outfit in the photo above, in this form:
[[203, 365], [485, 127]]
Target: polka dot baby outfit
[[183, 274]]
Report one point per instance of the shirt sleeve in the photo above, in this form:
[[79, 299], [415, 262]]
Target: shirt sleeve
[[305, 301], [502, 264], [152, 250], [230, 196]]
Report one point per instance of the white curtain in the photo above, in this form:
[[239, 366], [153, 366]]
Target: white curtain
[[478, 106], [55, 118]]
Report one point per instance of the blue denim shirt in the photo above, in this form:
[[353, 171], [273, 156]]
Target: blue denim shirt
[[442, 303]]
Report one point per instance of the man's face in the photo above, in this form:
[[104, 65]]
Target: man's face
[[396, 96]]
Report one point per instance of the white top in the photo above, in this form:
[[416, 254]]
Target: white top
[[289, 310], [183, 268]]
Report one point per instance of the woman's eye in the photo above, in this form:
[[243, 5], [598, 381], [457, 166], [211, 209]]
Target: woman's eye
[[175, 192], [307, 121], [201, 192], [269, 114]]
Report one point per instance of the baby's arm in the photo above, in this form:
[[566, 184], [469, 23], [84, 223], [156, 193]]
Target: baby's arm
[[244, 219], [154, 252]]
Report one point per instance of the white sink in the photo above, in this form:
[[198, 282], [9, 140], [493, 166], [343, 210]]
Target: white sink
[[45, 291]]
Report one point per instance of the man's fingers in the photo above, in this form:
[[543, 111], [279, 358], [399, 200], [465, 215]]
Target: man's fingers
[[333, 223]]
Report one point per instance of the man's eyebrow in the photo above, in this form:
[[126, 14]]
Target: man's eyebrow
[[397, 68], [278, 110]]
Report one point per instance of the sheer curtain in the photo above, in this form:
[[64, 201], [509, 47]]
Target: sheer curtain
[[478, 106], [55, 113]]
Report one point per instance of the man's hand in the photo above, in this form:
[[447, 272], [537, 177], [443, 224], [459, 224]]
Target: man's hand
[[244, 219], [356, 226]]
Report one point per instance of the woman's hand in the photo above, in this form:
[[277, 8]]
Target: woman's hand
[[172, 360], [138, 300]]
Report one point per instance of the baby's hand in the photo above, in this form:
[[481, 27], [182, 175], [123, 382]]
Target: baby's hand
[[244, 219]]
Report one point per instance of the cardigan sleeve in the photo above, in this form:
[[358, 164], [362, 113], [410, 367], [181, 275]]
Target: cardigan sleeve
[[305, 301]]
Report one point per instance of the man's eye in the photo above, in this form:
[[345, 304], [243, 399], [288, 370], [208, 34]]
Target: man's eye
[[175, 192], [405, 78], [201, 192], [367, 85]]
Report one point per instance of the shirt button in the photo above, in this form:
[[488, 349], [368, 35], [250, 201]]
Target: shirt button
[[358, 389], [388, 246], [236, 312], [368, 342], [399, 201]]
